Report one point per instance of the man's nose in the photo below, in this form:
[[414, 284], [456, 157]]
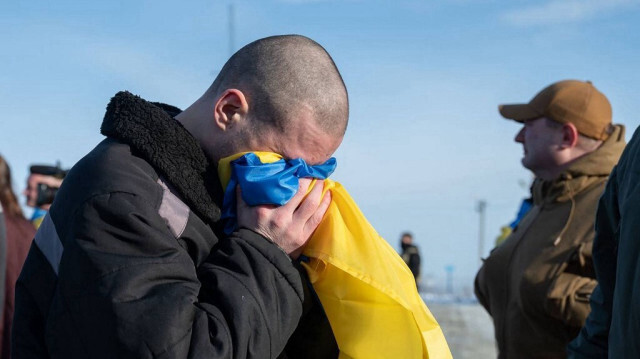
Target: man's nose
[[520, 136]]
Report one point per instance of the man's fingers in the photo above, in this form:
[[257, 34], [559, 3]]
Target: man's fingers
[[303, 186], [316, 218], [308, 207], [291, 225]]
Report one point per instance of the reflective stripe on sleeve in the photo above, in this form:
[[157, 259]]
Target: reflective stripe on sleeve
[[173, 210]]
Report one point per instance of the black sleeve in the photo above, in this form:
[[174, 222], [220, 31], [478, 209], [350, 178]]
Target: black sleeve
[[251, 285], [592, 342], [34, 289], [313, 337], [127, 289]]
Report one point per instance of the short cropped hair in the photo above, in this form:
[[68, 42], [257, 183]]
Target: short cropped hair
[[282, 73]]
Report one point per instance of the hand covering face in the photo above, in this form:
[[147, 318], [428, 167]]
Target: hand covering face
[[367, 291]]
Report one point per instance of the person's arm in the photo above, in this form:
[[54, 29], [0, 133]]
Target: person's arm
[[569, 293], [592, 341], [291, 225], [127, 288], [568, 298], [245, 300]]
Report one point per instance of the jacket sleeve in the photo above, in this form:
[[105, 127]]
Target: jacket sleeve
[[569, 293], [127, 289], [592, 341], [568, 298]]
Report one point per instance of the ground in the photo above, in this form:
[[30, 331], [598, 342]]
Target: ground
[[467, 328]]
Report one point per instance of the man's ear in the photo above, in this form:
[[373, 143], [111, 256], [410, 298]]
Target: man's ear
[[231, 108], [569, 135]]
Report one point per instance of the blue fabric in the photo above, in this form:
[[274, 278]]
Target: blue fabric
[[524, 209], [37, 214], [267, 183]]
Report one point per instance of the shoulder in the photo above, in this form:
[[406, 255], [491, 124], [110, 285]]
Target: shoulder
[[110, 167], [589, 197]]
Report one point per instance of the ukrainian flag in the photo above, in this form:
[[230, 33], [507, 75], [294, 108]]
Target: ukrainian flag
[[366, 289]]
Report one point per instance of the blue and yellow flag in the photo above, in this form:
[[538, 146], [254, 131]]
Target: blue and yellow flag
[[366, 289]]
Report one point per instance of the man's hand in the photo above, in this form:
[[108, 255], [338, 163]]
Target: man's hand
[[289, 226]]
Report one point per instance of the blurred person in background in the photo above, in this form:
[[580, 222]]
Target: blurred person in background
[[410, 254], [536, 285], [19, 234], [3, 264], [42, 185]]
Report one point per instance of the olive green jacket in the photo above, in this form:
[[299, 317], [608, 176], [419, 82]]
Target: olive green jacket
[[536, 285]]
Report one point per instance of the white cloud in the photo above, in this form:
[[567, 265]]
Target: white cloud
[[563, 11]]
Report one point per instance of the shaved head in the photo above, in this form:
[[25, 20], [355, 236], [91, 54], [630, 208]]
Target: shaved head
[[286, 78]]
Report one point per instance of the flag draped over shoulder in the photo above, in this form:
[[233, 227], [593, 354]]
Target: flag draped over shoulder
[[366, 289]]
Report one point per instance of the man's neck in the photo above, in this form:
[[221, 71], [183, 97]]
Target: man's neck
[[553, 173]]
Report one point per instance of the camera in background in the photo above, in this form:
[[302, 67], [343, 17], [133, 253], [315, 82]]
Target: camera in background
[[42, 186]]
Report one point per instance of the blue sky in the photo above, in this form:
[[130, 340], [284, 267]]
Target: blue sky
[[425, 141]]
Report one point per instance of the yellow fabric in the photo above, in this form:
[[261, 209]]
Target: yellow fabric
[[366, 289], [37, 222], [505, 231]]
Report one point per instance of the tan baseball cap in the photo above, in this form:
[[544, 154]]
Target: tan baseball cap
[[578, 102]]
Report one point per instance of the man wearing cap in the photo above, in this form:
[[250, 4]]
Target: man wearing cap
[[536, 285], [42, 185]]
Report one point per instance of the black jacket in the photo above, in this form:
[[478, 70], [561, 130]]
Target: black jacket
[[613, 326], [131, 261]]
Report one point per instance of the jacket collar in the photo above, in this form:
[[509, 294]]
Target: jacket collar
[[152, 132], [583, 173]]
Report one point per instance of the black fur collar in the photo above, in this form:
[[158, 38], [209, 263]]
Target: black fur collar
[[151, 131]]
